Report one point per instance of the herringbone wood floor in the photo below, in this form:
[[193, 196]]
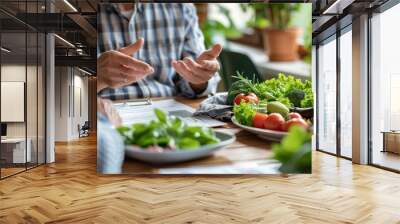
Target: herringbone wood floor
[[70, 191]]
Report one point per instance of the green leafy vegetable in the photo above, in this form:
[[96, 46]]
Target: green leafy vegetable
[[286, 89], [244, 113], [160, 115], [308, 100], [167, 132], [188, 143], [294, 152], [289, 90], [296, 96]]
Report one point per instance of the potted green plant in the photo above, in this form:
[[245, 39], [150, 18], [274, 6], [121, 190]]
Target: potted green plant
[[212, 28], [275, 21]]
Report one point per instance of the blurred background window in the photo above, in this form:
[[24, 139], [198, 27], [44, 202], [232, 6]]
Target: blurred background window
[[327, 97], [268, 38], [385, 88], [346, 94]]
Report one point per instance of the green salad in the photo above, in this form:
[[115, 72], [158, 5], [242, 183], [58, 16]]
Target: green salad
[[244, 113], [286, 89], [167, 133]]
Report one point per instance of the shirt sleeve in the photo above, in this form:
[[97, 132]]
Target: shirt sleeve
[[193, 47], [110, 147]]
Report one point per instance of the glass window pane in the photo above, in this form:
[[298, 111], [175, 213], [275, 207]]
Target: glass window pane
[[327, 97], [346, 94], [22, 86], [386, 88], [14, 153]]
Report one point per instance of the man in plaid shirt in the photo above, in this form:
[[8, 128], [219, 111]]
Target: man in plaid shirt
[[153, 50], [147, 50]]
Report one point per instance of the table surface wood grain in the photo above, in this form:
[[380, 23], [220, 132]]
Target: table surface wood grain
[[247, 152]]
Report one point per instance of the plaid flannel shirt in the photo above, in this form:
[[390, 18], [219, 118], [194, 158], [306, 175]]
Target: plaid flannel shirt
[[171, 32], [110, 147]]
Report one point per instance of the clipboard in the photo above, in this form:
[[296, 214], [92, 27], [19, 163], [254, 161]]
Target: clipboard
[[142, 111]]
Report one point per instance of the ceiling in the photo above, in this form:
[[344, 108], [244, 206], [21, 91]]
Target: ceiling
[[74, 21], [330, 15]]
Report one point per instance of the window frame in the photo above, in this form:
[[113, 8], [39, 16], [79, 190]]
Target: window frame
[[333, 37], [44, 42], [378, 10], [342, 26]]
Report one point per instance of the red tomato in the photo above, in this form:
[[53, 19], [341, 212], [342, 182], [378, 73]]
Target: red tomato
[[285, 127], [238, 98], [295, 122], [294, 115], [251, 97], [259, 119], [274, 121]]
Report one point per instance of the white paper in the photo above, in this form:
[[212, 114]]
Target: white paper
[[245, 167], [134, 113]]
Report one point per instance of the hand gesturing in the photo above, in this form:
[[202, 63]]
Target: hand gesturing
[[198, 72], [119, 68]]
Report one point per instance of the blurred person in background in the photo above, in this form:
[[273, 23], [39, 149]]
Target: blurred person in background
[[147, 50]]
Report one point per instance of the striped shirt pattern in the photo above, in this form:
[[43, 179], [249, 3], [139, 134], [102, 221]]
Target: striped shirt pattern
[[170, 32], [110, 147]]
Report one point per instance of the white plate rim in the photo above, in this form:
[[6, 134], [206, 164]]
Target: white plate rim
[[258, 130]]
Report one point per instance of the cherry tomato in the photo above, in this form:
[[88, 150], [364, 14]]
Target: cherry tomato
[[239, 98], [259, 119], [274, 121], [295, 122], [251, 97], [285, 127], [294, 115]]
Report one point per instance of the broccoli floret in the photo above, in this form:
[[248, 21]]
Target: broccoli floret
[[296, 96]]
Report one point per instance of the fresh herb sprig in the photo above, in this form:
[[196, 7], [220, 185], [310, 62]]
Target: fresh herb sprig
[[245, 85]]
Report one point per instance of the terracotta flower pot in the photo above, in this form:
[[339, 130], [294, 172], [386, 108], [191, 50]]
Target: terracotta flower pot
[[202, 12], [281, 45]]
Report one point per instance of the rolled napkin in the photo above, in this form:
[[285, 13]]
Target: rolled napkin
[[215, 107]]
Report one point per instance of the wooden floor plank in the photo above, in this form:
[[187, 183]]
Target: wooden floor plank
[[70, 191]]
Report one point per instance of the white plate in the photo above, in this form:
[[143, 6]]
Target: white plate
[[262, 133], [179, 156]]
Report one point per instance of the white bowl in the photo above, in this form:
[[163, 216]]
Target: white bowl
[[179, 155]]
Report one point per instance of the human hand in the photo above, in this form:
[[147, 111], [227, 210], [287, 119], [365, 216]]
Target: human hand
[[106, 107], [119, 68], [198, 72]]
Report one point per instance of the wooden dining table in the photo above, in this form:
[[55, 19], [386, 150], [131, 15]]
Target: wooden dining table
[[249, 154]]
